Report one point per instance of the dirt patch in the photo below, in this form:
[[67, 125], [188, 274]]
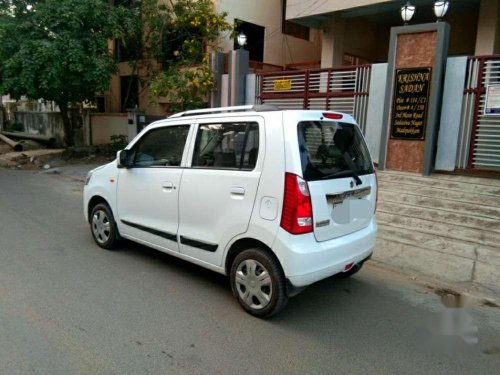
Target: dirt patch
[[489, 303], [445, 291], [449, 297], [495, 350], [39, 159], [4, 148]]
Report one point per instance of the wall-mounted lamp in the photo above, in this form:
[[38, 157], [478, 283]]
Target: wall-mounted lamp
[[407, 12], [440, 9], [241, 39]]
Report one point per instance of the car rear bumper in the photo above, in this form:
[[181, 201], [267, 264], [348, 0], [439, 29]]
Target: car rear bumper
[[306, 261]]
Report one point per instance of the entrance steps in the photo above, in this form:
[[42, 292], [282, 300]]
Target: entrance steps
[[443, 226]]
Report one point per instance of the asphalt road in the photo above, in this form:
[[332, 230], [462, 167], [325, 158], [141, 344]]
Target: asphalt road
[[68, 307]]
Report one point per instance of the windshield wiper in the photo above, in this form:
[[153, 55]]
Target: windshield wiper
[[345, 173]]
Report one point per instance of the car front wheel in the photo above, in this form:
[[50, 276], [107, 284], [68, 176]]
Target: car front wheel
[[103, 227]]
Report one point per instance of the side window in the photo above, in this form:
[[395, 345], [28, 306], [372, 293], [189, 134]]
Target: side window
[[161, 147], [227, 145]]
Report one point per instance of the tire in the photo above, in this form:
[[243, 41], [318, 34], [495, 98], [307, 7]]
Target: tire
[[103, 227], [355, 269], [264, 296]]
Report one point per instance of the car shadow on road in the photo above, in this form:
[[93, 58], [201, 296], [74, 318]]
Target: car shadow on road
[[174, 264], [334, 295]]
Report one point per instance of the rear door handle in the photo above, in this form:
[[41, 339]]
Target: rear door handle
[[237, 191]]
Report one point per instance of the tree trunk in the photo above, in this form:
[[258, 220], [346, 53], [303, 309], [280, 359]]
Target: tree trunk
[[68, 131]]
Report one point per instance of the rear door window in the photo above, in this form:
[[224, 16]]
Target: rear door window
[[330, 149], [232, 145]]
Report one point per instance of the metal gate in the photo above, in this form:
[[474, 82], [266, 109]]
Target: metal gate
[[343, 89], [479, 138]]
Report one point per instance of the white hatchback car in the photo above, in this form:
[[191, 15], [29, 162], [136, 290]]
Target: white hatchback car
[[275, 199]]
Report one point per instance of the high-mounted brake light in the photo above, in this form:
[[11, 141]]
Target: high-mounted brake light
[[332, 116], [296, 217]]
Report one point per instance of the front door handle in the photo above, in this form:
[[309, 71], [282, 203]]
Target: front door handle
[[168, 185], [237, 191]]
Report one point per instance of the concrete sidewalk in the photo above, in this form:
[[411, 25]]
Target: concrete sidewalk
[[76, 171], [443, 228]]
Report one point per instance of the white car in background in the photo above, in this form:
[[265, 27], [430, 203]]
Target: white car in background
[[275, 199]]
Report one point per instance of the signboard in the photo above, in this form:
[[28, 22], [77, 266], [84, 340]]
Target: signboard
[[492, 106], [411, 98], [282, 84]]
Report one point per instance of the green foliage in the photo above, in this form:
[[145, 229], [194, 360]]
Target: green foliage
[[179, 36], [57, 50], [14, 127], [184, 87], [118, 142]]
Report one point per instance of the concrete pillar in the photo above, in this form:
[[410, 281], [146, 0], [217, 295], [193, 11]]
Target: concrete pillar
[[250, 89], [488, 28], [375, 112], [332, 47], [217, 67], [224, 100], [409, 143], [238, 70], [134, 122], [451, 111]]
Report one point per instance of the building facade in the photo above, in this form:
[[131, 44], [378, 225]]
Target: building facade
[[358, 30], [272, 42], [365, 42]]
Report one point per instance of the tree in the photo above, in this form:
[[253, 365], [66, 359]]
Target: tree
[[179, 35], [57, 50]]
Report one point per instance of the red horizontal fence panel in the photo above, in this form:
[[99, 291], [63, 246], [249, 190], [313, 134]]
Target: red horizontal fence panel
[[341, 82]]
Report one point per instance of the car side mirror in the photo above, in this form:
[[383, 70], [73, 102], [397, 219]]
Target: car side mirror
[[124, 158]]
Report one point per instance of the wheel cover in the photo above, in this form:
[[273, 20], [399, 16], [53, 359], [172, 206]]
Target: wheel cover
[[254, 284], [101, 226]]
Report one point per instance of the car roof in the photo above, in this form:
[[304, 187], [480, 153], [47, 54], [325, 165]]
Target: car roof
[[249, 110], [241, 111]]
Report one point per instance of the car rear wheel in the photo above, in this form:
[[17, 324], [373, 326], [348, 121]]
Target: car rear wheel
[[258, 283], [103, 226]]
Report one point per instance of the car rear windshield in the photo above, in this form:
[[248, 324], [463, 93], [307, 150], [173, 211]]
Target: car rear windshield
[[331, 149]]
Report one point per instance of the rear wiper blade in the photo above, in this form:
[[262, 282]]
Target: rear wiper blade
[[346, 173]]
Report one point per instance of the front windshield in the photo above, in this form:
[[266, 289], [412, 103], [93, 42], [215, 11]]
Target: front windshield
[[331, 149]]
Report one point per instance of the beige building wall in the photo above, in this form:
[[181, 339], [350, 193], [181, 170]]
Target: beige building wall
[[304, 8], [279, 49], [104, 125], [113, 95]]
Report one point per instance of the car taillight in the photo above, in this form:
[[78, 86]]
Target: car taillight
[[296, 217], [376, 187]]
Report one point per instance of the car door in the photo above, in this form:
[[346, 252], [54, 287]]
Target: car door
[[148, 191], [219, 186]]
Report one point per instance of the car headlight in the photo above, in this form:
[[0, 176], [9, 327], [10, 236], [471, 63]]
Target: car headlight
[[89, 176]]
